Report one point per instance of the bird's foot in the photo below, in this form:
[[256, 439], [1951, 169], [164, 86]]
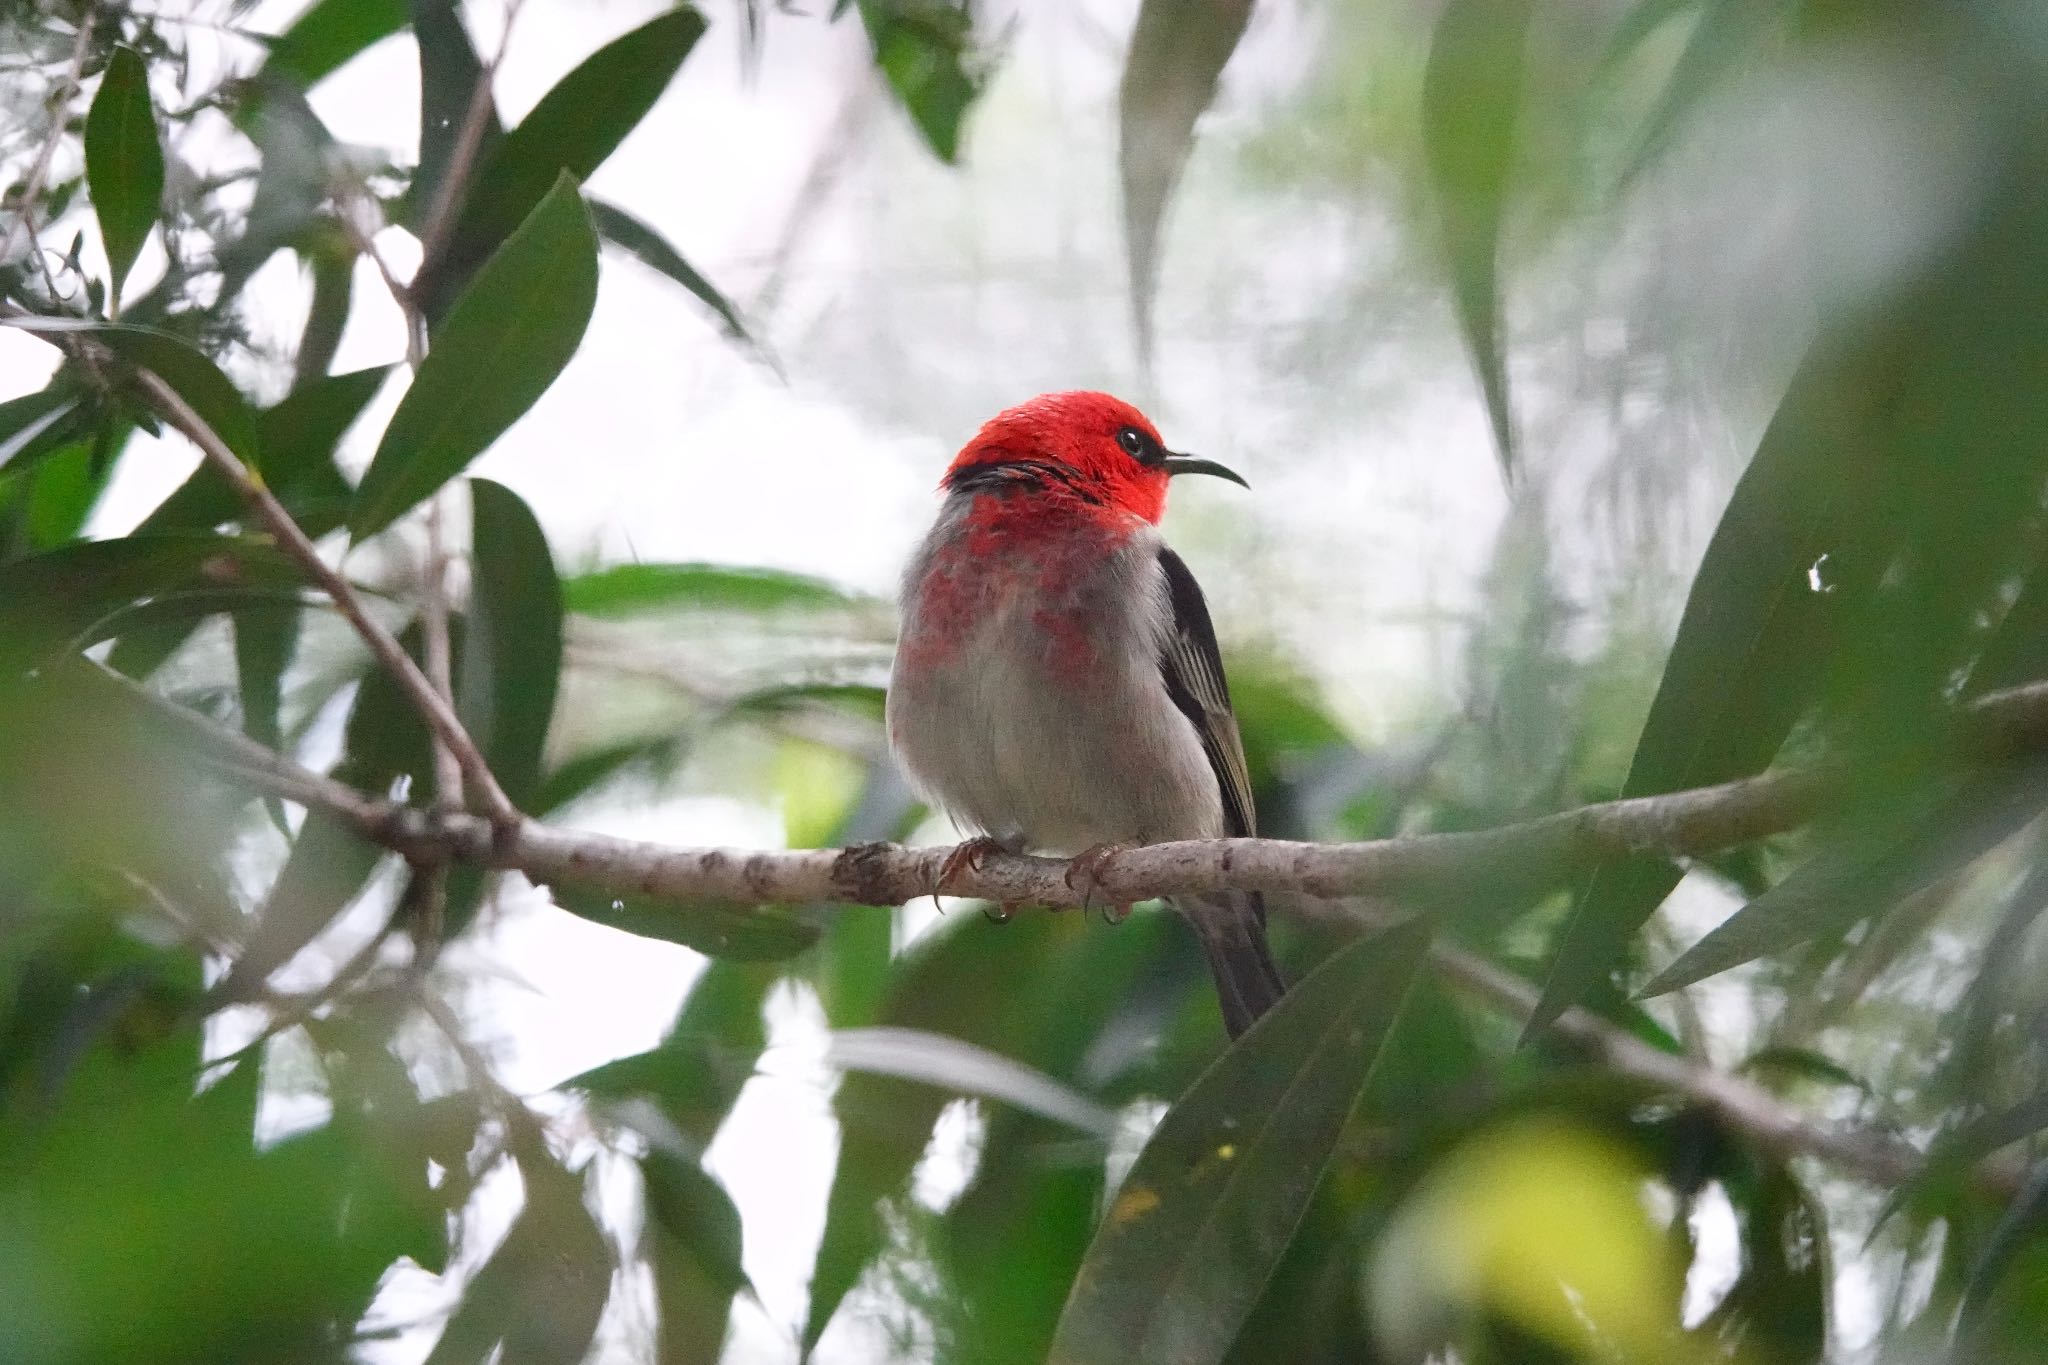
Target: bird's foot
[[971, 854], [1001, 912], [1084, 875]]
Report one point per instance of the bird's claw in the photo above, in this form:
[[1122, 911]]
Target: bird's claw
[[971, 854], [1084, 875]]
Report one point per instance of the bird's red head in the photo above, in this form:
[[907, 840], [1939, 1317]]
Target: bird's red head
[[1083, 448]]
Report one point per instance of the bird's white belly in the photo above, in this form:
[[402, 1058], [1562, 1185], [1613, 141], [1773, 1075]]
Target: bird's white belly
[[1014, 739]]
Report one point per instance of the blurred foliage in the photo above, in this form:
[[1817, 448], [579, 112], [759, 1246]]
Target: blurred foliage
[[239, 1116]]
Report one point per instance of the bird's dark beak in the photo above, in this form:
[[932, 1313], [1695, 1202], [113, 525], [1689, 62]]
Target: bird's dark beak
[[1188, 464]]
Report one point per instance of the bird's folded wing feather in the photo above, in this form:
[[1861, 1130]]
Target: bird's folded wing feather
[[1193, 671]]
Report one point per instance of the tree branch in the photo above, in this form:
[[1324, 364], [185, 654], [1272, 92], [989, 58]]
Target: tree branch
[[442, 722], [1695, 821]]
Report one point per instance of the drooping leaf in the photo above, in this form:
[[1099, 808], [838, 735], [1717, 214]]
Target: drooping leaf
[[1204, 1215], [576, 125], [685, 1202], [329, 33], [695, 1074], [265, 638], [735, 933], [1792, 551], [1471, 103], [334, 273], [512, 655], [451, 77], [1178, 51], [1870, 869], [924, 50], [629, 589], [885, 1122], [124, 162], [1727, 32], [497, 351], [647, 246], [539, 1298]]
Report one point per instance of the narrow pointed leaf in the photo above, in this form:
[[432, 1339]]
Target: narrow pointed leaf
[[1727, 32], [37, 423], [499, 349], [1471, 101], [1794, 548], [329, 33], [450, 73], [574, 128], [629, 589], [1869, 871], [647, 246], [1204, 1216], [298, 435], [1178, 51], [922, 48], [735, 933], [512, 652], [124, 161]]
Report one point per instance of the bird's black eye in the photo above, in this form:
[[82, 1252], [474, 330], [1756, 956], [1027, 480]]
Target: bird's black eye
[[1133, 441]]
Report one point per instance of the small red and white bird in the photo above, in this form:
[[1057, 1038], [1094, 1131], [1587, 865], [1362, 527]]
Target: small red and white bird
[[1057, 685]]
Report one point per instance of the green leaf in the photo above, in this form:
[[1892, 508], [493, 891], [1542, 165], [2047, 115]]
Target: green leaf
[[542, 1293], [694, 1251], [923, 50], [735, 933], [298, 436], [329, 33], [577, 777], [1043, 991], [1751, 650], [50, 598], [196, 379], [694, 1076], [1203, 1217], [1471, 99], [450, 74], [1870, 870], [1178, 51], [124, 162], [499, 349], [38, 423], [512, 654], [647, 246], [574, 128], [1726, 33], [630, 589], [265, 638]]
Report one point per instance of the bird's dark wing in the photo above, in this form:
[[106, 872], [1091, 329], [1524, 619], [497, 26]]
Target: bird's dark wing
[[1194, 679]]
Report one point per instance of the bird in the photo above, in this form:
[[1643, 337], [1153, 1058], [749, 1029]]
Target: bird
[[1056, 686]]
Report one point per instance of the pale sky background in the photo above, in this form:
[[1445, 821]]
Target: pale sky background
[[911, 300]]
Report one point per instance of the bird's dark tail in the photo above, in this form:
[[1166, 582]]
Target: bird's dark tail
[[1232, 930]]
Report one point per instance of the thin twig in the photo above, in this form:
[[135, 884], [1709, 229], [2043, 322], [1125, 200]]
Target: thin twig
[[439, 715], [32, 188], [454, 186]]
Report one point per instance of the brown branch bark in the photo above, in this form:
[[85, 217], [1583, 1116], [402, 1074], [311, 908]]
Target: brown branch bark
[[1695, 821]]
